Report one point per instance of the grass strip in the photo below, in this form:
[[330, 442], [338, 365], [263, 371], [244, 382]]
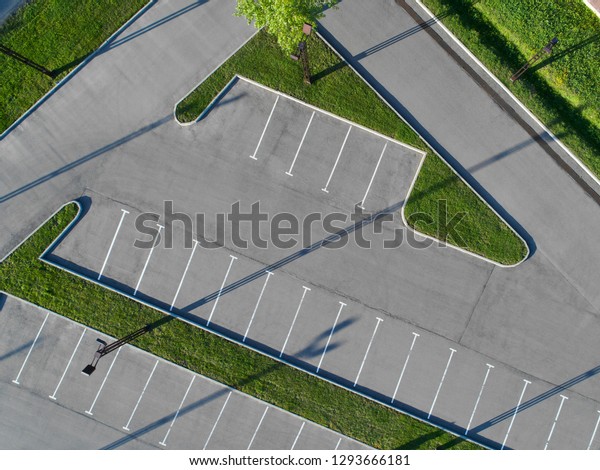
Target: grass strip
[[25, 276], [562, 88], [438, 192], [57, 35]]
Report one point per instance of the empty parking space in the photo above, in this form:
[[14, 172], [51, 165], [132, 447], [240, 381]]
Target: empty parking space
[[345, 313], [132, 400]]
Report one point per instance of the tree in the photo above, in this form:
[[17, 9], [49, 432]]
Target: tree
[[283, 18]]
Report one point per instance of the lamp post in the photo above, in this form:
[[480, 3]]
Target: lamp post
[[547, 49], [302, 54]]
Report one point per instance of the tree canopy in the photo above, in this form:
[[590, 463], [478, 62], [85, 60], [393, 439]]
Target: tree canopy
[[283, 18]]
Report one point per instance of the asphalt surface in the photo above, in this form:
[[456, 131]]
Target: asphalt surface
[[8, 7], [316, 309], [132, 401], [108, 134]]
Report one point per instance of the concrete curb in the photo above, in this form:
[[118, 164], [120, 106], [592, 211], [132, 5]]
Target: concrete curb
[[451, 168], [72, 73], [509, 93], [219, 95], [162, 359], [65, 232]]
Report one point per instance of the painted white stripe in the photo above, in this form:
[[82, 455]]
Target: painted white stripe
[[164, 441], [379, 320], [338, 443], [336, 161], [257, 428], [253, 156], [53, 396], [342, 305], [527, 382], [487, 373], [306, 289], [594, 433], [415, 336], [563, 398], [452, 351], [298, 435], [89, 412], [214, 307], [137, 286], [183, 277], [126, 427], [113, 242], [362, 203], [269, 274], [217, 421], [16, 381], [289, 172]]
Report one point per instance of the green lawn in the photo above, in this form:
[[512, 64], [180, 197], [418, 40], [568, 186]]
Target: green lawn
[[58, 35], [22, 274], [336, 88], [562, 89]]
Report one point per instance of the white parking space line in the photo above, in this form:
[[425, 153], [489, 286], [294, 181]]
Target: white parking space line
[[184, 273], [124, 213], [562, 400], [527, 382], [217, 421], [306, 289], [16, 381], [415, 336], [342, 305], [53, 396], [298, 435], [126, 427], [594, 433], [338, 443], [164, 441], [257, 427], [361, 204], [253, 156], [214, 307], [487, 373], [89, 412], [289, 172], [269, 274], [137, 286], [336, 161], [452, 351], [379, 320]]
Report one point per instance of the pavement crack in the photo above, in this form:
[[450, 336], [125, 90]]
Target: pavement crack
[[476, 305]]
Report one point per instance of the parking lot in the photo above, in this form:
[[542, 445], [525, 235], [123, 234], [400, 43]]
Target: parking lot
[[344, 314], [132, 401]]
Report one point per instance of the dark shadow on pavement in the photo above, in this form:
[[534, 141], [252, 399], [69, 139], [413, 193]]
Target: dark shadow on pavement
[[534, 401], [464, 173], [23, 347], [124, 39], [86, 158]]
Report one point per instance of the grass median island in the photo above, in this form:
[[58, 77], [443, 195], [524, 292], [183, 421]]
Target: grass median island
[[23, 275], [561, 89], [337, 89], [57, 35]]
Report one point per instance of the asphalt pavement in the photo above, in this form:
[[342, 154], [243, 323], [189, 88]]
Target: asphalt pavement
[[109, 134]]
